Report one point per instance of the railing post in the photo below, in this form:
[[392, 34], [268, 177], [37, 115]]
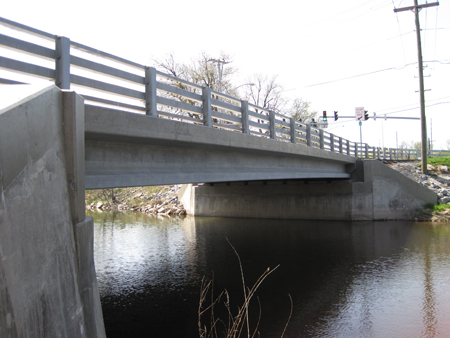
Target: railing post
[[378, 153], [321, 139], [366, 151], [206, 93], [272, 124], [332, 143], [341, 149], [62, 62], [150, 92], [244, 117], [308, 135], [292, 128]]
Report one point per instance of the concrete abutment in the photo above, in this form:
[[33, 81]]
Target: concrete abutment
[[48, 286], [376, 192]]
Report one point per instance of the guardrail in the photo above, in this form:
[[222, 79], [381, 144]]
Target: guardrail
[[107, 80]]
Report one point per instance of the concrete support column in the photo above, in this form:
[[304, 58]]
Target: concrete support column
[[206, 93], [150, 92], [244, 117], [62, 62], [73, 117], [73, 121], [88, 286]]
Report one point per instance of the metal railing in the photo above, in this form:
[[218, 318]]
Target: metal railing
[[107, 80]]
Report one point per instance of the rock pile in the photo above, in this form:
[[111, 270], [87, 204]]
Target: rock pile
[[164, 202], [438, 179], [167, 203]]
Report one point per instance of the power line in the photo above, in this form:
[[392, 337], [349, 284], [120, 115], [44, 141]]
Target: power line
[[343, 19], [444, 62], [399, 30], [364, 74], [377, 42]]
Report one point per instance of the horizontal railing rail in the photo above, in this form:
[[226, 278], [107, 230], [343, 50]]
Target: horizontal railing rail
[[108, 80]]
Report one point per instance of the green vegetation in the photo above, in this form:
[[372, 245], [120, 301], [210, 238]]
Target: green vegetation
[[437, 208], [437, 161], [435, 213]]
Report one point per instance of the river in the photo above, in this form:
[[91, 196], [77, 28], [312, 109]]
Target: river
[[364, 279]]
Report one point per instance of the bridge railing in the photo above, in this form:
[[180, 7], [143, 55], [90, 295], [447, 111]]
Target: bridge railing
[[108, 80]]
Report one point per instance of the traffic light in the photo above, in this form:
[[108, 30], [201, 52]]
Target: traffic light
[[366, 115], [324, 116], [336, 115]]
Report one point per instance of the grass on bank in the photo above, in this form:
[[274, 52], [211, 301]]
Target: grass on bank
[[435, 213], [437, 161], [438, 207]]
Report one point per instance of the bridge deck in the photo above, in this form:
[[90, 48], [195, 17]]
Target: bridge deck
[[124, 149]]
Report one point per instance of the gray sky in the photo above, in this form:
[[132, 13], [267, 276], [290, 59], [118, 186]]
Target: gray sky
[[337, 54]]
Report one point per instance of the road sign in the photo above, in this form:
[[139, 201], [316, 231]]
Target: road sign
[[359, 113]]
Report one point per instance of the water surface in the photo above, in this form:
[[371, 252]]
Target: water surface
[[382, 279]]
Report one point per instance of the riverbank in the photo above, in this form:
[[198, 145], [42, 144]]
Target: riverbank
[[161, 200], [437, 180]]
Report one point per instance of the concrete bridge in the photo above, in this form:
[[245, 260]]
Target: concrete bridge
[[56, 143]]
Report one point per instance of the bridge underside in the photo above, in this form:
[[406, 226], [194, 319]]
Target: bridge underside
[[124, 150]]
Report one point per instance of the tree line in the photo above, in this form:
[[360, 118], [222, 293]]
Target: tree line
[[218, 74]]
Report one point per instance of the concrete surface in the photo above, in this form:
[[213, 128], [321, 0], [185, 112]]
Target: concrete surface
[[45, 269], [384, 194], [125, 149]]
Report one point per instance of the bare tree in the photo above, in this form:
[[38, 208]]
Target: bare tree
[[202, 71], [265, 93]]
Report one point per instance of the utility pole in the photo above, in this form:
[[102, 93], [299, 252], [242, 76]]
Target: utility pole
[[220, 64], [423, 120]]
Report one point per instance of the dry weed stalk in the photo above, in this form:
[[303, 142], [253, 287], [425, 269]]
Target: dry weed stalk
[[236, 324]]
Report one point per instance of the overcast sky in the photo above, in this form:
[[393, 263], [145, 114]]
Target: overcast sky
[[337, 54]]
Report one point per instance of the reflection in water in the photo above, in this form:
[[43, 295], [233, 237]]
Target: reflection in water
[[429, 299], [387, 279]]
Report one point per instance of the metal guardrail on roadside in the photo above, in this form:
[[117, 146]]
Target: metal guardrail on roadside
[[108, 80]]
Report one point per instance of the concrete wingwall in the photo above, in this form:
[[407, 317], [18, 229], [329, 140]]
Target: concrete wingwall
[[381, 193], [48, 286]]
